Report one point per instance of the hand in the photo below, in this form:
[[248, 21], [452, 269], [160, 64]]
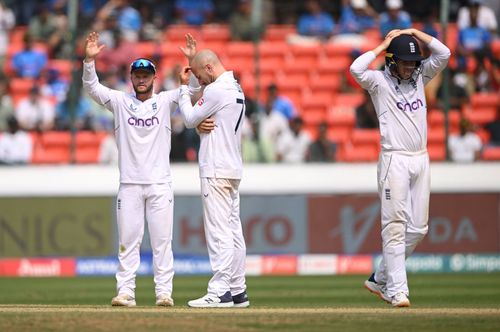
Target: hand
[[190, 50], [206, 126], [184, 75], [91, 46]]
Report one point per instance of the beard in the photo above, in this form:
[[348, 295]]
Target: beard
[[148, 90]]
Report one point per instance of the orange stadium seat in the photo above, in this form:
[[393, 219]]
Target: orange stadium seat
[[176, 33], [64, 67], [313, 116], [337, 50], [292, 90], [52, 148], [436, 136], [312, 52], [215, 32], [326, 83], [485, 99], [480, 115], [334, 65], [279, 32], [361, 137], [87, 147], [240, 49], [274, 50], [495, 47], [491, 153], [435, 118], [437, 152], [21, 86], [148, 49], [349, 99], [360, 154], [454, 120]]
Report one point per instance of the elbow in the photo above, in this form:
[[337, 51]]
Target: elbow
[[355, 72]]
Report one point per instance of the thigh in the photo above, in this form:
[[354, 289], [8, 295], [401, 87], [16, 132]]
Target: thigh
[[420, 193], [130, 211], [217, 207], [159, 210], [394, 186]]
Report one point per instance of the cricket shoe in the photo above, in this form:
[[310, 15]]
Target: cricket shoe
[[164, 300], [123, 300], [213, 301], [377, 289], [400, 300], [241, 300]]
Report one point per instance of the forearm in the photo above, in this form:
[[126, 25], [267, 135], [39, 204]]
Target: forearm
[[189, 116]]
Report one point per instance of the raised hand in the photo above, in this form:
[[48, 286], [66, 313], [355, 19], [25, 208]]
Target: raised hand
[[190, 50], [184, 75], [92, 48]]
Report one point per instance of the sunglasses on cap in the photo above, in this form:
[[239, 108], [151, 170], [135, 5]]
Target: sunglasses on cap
[[143, 64]]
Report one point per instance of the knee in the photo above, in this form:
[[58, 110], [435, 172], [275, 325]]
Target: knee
[[393, 232]]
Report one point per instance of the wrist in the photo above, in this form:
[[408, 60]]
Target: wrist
[[89, 59]]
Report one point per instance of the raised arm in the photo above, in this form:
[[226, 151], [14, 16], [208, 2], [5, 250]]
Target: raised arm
[[101, 94]]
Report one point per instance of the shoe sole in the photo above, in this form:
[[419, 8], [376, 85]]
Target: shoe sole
[[165, 304], [404, 304], [122, 304], [376, 293], [245, 304], [212, 305]]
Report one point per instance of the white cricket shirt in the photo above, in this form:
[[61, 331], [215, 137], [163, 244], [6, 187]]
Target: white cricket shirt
[[220, 150], [400, 104], [142, 129]]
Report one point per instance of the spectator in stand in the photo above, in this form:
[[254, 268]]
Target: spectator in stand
[[255, 147], [315, 22], [119, 56], [466, 146], [55, 87], [7, 22], [458, 91], [240, 23], [29, 62], [280, 103], [44, 28], [153, 23], [171, 78], [475, 41], [82, 117], [366, 116], [6, 108], [293, 145], [35, 112], [194, 12], [356, 17], [493, 129], [23, 10], [394, 18], [272, 124], [322, 149], [15, 145], [129, 19], [485, 16]]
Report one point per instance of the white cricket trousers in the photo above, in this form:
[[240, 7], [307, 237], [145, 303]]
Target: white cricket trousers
[[404, 189], [224, 235], [155, 204]]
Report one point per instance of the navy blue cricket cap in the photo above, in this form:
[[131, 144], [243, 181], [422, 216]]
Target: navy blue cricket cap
[[143, 64], [405, 47]]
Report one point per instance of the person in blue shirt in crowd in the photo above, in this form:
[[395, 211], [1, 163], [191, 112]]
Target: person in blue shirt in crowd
[[316, 22], [356, 17], [194, 12], [474, 41], [279, 103], [29, 62], [394, 18]]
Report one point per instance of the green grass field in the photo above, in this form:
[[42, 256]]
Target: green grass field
[[440, 302]]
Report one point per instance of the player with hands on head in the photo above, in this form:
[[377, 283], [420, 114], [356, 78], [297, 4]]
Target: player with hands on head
[[221, 168], [143, 134], [403, 174]]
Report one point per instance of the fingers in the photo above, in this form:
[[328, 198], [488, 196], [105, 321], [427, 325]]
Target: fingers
[[186, 70]]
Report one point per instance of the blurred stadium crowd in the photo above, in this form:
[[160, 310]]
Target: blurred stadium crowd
[[302, 104]]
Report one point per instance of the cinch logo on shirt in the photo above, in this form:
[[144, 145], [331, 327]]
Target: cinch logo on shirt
[[137, 122], [410, 107]]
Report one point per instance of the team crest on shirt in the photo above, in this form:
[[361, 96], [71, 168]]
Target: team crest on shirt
[[132, 107], [201, 101]]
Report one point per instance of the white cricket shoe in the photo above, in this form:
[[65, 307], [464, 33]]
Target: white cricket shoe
[[377, 289], [212, 301], [400, 300], [123, 300], [164, 300]]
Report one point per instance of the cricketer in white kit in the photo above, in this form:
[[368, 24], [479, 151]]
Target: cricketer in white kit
[[403, 167], [221, 168], [143, 135]]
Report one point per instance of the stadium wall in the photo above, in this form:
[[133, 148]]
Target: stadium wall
[[285, 209]]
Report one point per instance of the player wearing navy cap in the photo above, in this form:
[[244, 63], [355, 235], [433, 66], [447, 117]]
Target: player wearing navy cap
[[143, 135], [403, 167]]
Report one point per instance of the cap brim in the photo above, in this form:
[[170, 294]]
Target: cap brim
[[143, 69]]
